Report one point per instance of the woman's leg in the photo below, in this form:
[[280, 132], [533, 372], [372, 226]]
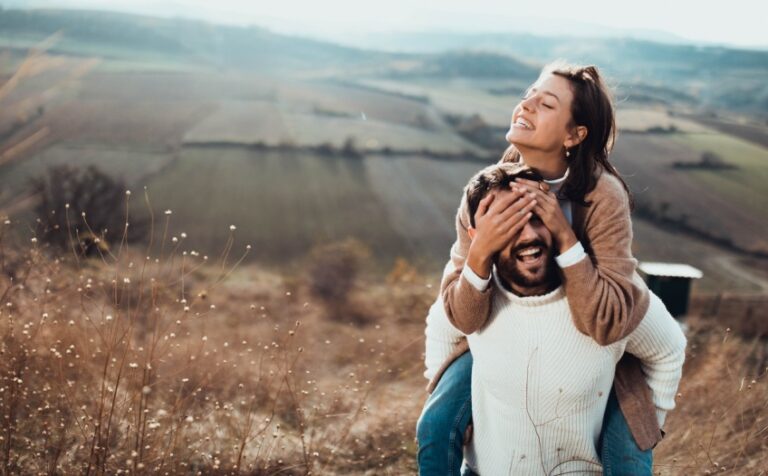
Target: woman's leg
[[617, 448], [441, 427]]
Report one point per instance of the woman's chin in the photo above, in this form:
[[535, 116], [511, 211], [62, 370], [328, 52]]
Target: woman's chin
[[515, 137]]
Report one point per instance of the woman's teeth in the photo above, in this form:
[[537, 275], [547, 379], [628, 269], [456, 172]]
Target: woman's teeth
[[523, 123]]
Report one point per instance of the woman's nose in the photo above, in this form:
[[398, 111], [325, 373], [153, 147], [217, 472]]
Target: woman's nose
[[526, 104]]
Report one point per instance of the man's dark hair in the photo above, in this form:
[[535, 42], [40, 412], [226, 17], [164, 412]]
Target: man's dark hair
[[496, 176]]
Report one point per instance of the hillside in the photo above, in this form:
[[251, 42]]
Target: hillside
[[221, 124], [682, 70]]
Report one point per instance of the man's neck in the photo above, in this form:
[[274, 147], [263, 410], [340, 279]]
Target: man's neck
[[524, 291]]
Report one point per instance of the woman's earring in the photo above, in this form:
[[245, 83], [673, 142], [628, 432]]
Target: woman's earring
[[567, 153]]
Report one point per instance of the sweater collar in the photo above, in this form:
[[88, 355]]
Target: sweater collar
[[556, 184], [532, 301]]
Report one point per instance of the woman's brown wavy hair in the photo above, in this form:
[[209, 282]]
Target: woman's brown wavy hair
[[592, 107]]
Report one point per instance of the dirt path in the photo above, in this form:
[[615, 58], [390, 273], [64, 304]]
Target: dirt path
[[731, 265]]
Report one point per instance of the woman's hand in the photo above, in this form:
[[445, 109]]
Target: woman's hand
[[500, 216], [548, 209]]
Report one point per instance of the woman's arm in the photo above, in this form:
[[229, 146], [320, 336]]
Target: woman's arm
[[467, 305], [607, 297]]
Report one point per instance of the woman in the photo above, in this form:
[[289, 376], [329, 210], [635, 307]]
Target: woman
[[564, 128]]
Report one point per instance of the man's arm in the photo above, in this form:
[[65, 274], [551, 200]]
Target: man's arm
[[659, 343], [441, 336]]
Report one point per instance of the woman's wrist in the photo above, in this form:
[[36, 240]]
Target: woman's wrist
[[478, 261], [566, 241]]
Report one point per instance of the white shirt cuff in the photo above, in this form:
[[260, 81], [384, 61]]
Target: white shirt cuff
[[479, 283], [573, 255]]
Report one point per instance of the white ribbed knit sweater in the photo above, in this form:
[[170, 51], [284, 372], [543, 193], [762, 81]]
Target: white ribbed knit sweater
[[539, 387]]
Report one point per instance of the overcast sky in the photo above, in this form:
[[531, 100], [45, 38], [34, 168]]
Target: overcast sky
[[733, 22]]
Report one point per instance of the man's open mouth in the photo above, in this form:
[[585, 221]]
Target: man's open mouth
[[530, 254]]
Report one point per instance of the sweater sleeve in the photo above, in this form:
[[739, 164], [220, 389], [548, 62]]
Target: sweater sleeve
[[441, 337], [659, 343], [466, 307], [608, 299]]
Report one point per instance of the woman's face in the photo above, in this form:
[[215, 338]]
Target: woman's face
[[542, 120]]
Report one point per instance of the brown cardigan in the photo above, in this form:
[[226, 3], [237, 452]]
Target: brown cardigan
[[607, 297]]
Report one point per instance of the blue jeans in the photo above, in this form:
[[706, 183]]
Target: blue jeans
[[617, 448], [444, 419], [446, 415]]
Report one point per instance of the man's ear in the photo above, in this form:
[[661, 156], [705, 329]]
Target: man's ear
[[576, 136], [472, 232]]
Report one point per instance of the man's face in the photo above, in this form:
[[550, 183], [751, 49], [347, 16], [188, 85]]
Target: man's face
[[528, 264]]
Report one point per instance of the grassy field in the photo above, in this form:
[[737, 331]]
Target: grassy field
[[282, 202], [743, 186], [184, 366], [635, 119], [133, 164], [701, 198]]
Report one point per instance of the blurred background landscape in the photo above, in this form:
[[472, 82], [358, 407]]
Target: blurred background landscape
[[303, 150]]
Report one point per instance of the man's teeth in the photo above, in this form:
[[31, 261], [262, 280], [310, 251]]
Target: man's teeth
[[529, 252]]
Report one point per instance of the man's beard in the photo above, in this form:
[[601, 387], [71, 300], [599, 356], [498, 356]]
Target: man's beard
[[510, 269]]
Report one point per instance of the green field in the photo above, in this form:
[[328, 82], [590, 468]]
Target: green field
[[282, 203], [745, 185]]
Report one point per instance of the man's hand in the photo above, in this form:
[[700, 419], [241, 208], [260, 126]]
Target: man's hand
[[548, 209], [500, 216]]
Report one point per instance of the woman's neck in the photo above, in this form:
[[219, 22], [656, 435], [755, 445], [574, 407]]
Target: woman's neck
[[550, 167]]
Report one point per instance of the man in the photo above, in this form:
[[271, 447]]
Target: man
[[540, 390]]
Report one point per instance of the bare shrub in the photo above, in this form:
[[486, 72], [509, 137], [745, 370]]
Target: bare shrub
[[332, 271], [81, 209]]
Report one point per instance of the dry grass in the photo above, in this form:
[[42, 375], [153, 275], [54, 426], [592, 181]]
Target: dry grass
[[721, 422], [162, 361], [179, 364]]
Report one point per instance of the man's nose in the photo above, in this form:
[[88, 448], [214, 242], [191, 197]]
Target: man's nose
[[528, 233]]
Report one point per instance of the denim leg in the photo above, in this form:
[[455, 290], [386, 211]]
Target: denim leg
[[617, 448], [444, 419]]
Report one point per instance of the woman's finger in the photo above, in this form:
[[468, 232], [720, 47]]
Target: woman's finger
[[482, 207], [518, 209], [541, 195], [543, 186], [505, 200], [515, 228]]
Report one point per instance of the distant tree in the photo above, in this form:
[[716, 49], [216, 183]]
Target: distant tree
[[66, 193], [332, 272], [711, 159], [349, 149]]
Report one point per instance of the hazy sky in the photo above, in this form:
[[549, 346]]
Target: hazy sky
[[735, 22]]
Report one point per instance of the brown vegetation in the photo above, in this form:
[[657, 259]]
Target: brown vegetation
[[170, 363]]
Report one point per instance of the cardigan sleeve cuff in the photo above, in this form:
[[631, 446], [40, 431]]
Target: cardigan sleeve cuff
[[481, 284], [573, 255]]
